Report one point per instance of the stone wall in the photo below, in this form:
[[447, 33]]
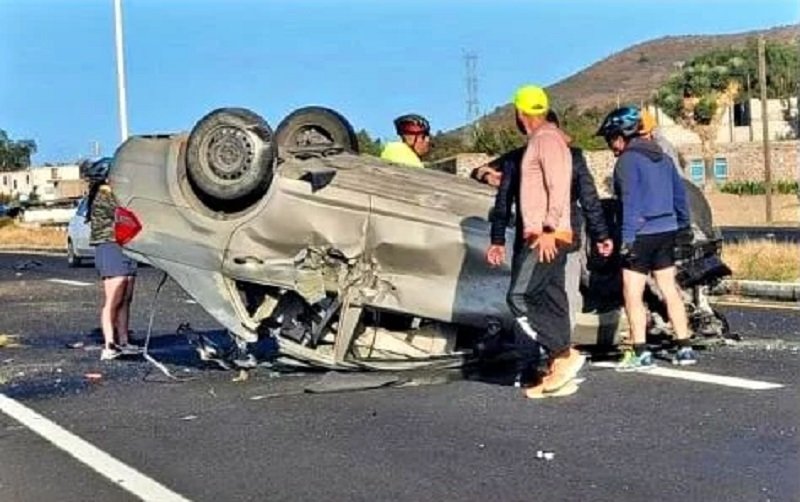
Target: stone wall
[[745, 161], [601, 164], [461, 164]]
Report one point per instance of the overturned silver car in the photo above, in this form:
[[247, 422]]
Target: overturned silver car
[[344, 260]]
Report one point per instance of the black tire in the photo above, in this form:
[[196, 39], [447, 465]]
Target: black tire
[[73, 260], [230, 156], [315, 130], [699, 208]]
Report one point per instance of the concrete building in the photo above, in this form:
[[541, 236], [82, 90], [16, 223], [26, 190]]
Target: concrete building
[[48, 182], [741, 123]]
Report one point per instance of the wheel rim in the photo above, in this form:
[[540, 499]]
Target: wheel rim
[[229, 153]]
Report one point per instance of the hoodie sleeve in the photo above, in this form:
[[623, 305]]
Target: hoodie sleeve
[[588, 198], [679, 200], [626, 179], [503, 202]]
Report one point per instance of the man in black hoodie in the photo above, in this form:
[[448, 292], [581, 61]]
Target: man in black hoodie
[[504, 173]]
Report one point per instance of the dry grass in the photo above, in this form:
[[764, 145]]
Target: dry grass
[[15, 236], [747, 210], [763, 260]]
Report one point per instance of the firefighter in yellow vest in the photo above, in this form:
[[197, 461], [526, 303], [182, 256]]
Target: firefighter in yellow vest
[[415, 134]]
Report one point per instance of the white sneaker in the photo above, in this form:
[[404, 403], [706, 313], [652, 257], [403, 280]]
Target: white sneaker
[[108, 354]]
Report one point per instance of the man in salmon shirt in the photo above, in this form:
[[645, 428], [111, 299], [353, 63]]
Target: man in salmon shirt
[[537, 296]]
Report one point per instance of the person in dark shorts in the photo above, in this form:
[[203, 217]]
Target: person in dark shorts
[[116, 270], [654, 215]]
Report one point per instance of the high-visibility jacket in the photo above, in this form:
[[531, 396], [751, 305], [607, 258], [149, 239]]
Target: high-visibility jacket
[[400, 153]]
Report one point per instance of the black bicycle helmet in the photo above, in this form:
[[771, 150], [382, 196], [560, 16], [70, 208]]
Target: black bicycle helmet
[[412, 124], [625, 121]]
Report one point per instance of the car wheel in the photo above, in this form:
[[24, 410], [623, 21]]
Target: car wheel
[[699, 208], [73, 260], [230, 156], [315, 130]]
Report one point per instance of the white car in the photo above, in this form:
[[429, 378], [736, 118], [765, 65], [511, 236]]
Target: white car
[[78, 248]]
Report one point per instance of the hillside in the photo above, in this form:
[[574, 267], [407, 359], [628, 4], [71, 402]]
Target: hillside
[[646, 67]]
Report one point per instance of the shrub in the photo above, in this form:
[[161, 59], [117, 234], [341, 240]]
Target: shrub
[[782, 187]]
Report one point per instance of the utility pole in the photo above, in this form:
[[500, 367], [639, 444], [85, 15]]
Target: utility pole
[[762, 81], [123, 102], [471, 80], [749, 108]]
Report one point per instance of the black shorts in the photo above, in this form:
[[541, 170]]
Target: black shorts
[[651, 252]]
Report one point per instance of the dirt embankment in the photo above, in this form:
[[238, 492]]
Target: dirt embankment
[[750, 210]]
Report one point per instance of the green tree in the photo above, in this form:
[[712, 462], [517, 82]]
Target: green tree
[[15, 154], [581, 126], [368, 145], [496, 140], [445, 145]]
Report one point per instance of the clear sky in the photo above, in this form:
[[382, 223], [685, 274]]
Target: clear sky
[[371, 60]]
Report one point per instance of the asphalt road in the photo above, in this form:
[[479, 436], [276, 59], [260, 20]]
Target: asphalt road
[[439, 437]]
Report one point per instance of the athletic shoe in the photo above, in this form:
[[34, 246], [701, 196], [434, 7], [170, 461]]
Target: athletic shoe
[[631, 362], [685, 356]]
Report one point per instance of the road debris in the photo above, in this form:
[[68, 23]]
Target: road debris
[[9, 341], [93, 377], [545, 455], [243, 376], [27, 265], [334, 381], [188, 418]]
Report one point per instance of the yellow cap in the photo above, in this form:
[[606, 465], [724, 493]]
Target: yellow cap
[[531, 100], [648, 122]]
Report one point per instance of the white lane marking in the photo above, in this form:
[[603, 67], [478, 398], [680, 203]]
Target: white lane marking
[[127, 478], [69, 283], [697, 376]]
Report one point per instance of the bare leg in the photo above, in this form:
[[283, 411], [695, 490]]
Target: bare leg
[[633, 287], [124, 310], [665, 279], [114, 288]]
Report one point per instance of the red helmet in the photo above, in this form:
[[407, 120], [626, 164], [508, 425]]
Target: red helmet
[[412, 124]]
